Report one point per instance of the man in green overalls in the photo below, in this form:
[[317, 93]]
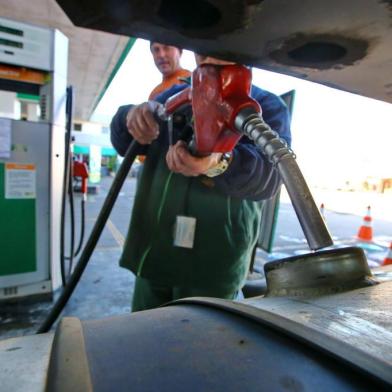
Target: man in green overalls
[[195, 220]]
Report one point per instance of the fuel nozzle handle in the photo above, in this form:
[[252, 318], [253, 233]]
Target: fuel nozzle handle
[[216, 95], [164, 113], [250, 123]]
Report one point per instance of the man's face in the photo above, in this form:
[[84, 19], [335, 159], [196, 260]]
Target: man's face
[[166, 58]]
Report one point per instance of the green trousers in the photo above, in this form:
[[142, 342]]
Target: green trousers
[[149, 294]]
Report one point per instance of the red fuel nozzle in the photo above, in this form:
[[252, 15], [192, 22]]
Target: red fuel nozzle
[[217, 95], [80, 170]]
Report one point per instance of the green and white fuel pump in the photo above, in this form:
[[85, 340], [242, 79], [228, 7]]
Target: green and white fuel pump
[[33, 66]]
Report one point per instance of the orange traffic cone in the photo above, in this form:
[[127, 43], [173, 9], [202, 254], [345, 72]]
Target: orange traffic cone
[[365, 232], [388, 258]]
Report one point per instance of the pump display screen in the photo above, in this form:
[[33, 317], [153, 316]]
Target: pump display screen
[[10, 30], [26, 45], [14, 44]]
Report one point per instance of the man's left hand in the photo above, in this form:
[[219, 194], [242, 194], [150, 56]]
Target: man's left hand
[[180, 160]]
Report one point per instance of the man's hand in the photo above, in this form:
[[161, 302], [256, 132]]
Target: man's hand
[[141, 123], [180, 160]]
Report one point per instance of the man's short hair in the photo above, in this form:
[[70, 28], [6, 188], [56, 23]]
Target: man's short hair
[[156, 42]]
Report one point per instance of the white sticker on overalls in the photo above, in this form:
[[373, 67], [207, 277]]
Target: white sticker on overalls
[[184, 231]]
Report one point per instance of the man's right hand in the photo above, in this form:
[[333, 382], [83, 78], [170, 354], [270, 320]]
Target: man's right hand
[[141, 124]]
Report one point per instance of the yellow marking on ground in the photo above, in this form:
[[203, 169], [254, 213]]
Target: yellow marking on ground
[[116, 233]]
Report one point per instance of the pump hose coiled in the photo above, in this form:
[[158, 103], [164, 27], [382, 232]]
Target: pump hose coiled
[[91, 242], [250, 123]]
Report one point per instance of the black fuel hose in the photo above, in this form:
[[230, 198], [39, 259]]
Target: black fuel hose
[[82, 224], [96, 231], [67, 165], [72, 218]]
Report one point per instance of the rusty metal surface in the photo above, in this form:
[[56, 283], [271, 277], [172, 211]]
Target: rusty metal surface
[[344, 44], [355, 326], [360, 318]]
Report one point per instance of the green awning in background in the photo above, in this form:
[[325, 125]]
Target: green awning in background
[[108, 151], [28, 97], [105, 151], [81, 150]]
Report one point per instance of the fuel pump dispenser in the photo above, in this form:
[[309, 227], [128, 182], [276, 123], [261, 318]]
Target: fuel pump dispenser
[[33, 61]]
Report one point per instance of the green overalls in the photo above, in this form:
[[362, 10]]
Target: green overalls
[[225, 235]]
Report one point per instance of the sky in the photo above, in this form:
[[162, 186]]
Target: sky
[[337, 136]]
